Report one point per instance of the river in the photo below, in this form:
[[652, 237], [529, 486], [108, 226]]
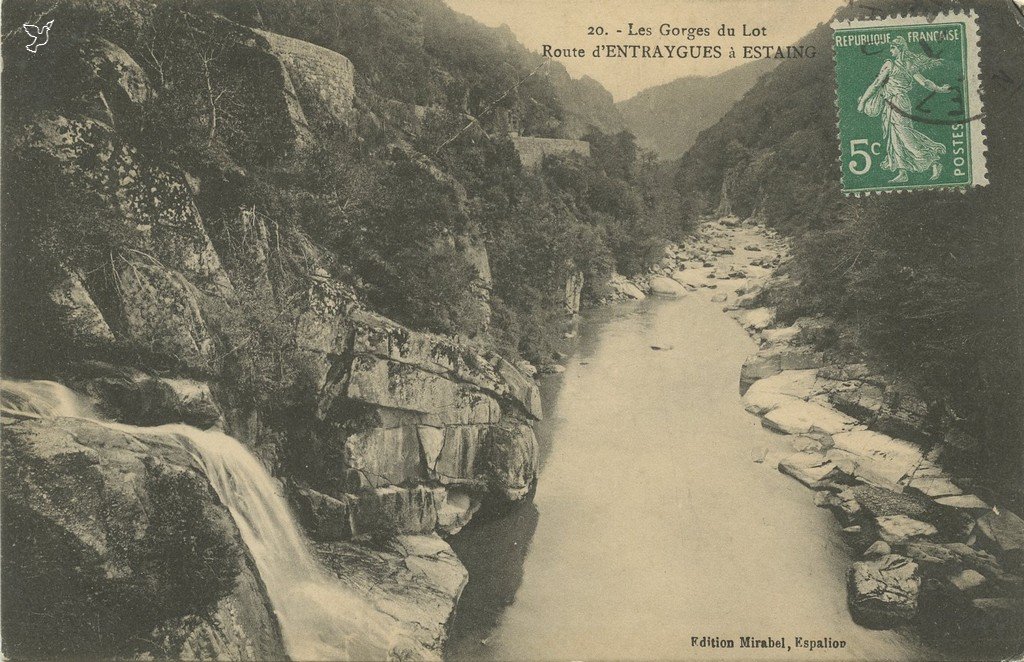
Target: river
[[651, 523]]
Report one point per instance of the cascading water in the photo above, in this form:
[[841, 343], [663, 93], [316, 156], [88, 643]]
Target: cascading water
[[320, 617], [43, 399]]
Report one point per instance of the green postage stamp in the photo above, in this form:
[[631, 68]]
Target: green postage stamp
[[909, 101]]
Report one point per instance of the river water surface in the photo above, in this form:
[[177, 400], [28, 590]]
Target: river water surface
[[651, 523]]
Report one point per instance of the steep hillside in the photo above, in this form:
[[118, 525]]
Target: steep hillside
[[425, 53], [587, 104], [930, 280], [667, 118]]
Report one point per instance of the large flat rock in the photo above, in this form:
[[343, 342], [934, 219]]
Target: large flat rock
[[808, 468], [775, 359], [875, 457], [807, 418], [415, 580], [665, 286], [900, 529], [783, 388]]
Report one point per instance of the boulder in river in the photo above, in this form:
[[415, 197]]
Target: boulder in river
[[780, 389], [967, 581], [965, 501], [623, 288], [782, 335], [847, 509], [757, 319], [878, 502], [696, 277], [878, 549], [773, 360], [416, 580], [665, 286], [934, 486], [881, 502], [944, 558], [808, 468], [883, 593]]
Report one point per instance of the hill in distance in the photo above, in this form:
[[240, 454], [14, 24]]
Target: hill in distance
[[667, 118]]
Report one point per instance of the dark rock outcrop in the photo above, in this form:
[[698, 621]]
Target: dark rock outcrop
[[1004, 531], [157, 213], [121, 547], [134, 397], [114, 86]]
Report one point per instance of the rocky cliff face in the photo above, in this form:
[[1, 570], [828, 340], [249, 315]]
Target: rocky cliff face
[[441, 428], [588, 104], [388, 431]]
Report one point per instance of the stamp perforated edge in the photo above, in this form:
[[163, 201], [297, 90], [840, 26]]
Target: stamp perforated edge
[[972, 36]]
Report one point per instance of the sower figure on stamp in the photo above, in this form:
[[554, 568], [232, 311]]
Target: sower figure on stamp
[[906, 148]]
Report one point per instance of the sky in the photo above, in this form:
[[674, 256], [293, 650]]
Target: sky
[[565, 23]]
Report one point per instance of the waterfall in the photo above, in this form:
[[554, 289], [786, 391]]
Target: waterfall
[[43, 399], [321, 618]]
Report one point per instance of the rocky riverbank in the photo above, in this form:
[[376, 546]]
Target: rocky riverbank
[[929, 552]]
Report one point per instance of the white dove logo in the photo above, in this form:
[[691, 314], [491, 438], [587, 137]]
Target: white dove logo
[[39, 36]]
